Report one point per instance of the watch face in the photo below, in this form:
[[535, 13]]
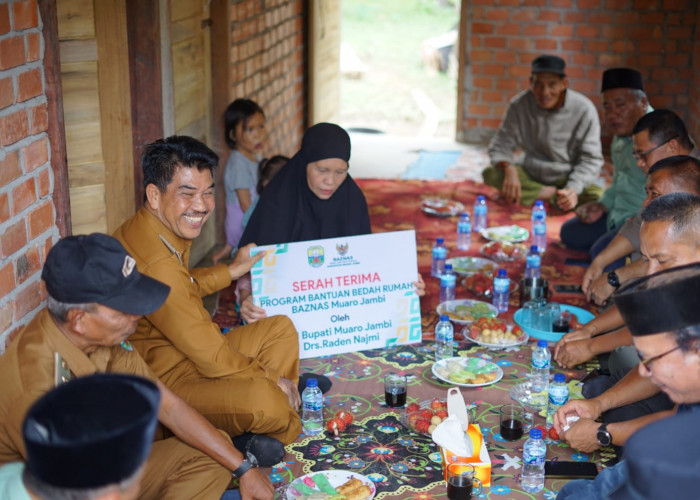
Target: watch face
[[613, 280], [603, 437]]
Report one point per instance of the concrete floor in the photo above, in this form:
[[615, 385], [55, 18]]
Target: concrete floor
[[387, 156]]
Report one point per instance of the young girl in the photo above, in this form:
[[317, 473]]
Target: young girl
[[244, 122], [267, 169]]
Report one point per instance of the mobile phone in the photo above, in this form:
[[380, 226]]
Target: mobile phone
[[577, 262], [566, 470], [590, 375], [568, 288]]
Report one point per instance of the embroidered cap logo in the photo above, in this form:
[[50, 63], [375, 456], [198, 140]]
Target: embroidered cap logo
[[128, 267]]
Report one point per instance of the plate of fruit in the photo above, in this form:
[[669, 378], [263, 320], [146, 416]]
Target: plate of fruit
[[332, 484], [504, 251], [464, 311], [481, 285], [512, 233], [340, 421], [465, 266], [424, 417], [441, 207], [467, 372], [494, 333]]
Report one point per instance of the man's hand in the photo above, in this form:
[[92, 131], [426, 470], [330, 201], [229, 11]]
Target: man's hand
[[250, 312], [567, 199], [574, 352], [593, 272], [511, 188], [419, 286], [580, 334], [292, 392], [600, 290], [582, 408], [243, 261], [590, 212], [256, 485], [582, 435]]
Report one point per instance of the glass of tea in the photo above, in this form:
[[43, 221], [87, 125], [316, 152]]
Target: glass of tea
[[512, 422], [395, 390], [461, 481]]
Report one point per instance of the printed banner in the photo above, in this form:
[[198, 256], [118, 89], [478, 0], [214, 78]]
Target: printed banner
[[343, 294]]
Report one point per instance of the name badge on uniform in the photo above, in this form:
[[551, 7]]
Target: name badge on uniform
[[126, 345], [61, 370]]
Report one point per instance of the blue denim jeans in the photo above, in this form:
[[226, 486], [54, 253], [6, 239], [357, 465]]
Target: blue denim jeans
[[605, 483]]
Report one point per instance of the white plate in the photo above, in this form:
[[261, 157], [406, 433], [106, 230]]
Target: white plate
[[519, 253], [511, 234], [464, 266], [336, 478], [522, 340], [480, 362], [441, 207], [522, 393], [450, 305]]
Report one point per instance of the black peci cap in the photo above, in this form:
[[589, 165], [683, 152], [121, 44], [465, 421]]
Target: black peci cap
[[622, 78], [96, 268], [91, 432], [549, 64]]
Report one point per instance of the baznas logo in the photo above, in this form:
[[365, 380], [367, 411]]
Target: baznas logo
[[315, 256], [342, 249]]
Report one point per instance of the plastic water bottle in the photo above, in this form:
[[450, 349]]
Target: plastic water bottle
[[312, 408], [439, 256], [501, 290], [534, 455], [541, 360], [480, 214], [448, 283], [558, 396], [464, 232], [444, 336], [539, 226], [533, 263]]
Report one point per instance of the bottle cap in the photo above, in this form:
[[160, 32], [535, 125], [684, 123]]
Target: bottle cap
[[559, 377], [480, 198], [440, 240], [502, 273], [541, 343], [533, 248], [536, 433], [539, 203], [444, 317], [465, 214], [311, 382], [448, 267]]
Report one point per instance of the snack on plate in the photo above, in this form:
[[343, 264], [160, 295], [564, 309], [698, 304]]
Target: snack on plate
[[441, 206], [354, 489], [317, 487], [494, 331], [424, 418], [472, 373], [504, 251], [470, 312]]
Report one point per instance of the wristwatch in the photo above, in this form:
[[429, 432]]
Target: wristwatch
[[603, 435], [613, 279], [245, 466]]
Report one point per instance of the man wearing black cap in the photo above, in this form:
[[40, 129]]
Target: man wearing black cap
[[559, 131], [95, 299], [86, 439], [661, 312], [597, 223]]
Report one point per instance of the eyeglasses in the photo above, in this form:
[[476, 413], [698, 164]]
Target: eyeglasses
[[643, 155], [647, 362]]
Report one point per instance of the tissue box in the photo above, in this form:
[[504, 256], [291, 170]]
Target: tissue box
[[480, 460]]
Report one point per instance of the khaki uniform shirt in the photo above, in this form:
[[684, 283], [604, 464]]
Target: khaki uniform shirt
[[180, 337], [27, 373]]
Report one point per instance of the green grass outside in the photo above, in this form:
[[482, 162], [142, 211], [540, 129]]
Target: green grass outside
[[387, 36]]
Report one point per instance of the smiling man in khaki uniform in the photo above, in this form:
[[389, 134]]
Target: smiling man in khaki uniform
[[244, 382]]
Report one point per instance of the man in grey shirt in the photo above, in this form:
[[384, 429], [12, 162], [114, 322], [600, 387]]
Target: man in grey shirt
[[559, 132]]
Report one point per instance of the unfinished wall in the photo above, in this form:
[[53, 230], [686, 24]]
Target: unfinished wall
[[655, 37], [27, 213]]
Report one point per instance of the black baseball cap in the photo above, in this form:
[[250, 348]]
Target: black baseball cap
[[549, 64], [91, 432], [622, 78], [96, 268]]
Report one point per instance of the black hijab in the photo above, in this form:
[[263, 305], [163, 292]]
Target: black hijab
[[289, 211]]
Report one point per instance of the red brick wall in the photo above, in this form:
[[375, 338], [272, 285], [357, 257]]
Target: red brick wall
[[503, 36], [267, 57], [27, 215], [693, 112]]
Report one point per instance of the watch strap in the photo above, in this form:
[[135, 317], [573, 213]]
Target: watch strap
[[603, 430], [613, 279], [245, 466]]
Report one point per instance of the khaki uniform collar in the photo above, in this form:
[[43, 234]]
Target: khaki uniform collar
[[179, 247]]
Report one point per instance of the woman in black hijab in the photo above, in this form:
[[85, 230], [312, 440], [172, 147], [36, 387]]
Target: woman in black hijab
[[312, 197]]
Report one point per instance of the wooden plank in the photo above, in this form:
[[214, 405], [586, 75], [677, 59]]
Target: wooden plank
[[89, 202], [86, 174], [324, 61], [115, 106], [183, 29], [461, 118], [54, 104], [188, 82], [81, 113], [166, 68], [76, 19], [182, 9], [78, 50], [196, 129]]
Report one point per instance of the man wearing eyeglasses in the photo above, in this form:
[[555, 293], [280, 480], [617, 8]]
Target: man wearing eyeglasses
[[661, 313], [657, 135], [670, 238]]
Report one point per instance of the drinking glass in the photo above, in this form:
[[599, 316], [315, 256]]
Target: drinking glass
[[460, 481], [512, 422], [395, 390]]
